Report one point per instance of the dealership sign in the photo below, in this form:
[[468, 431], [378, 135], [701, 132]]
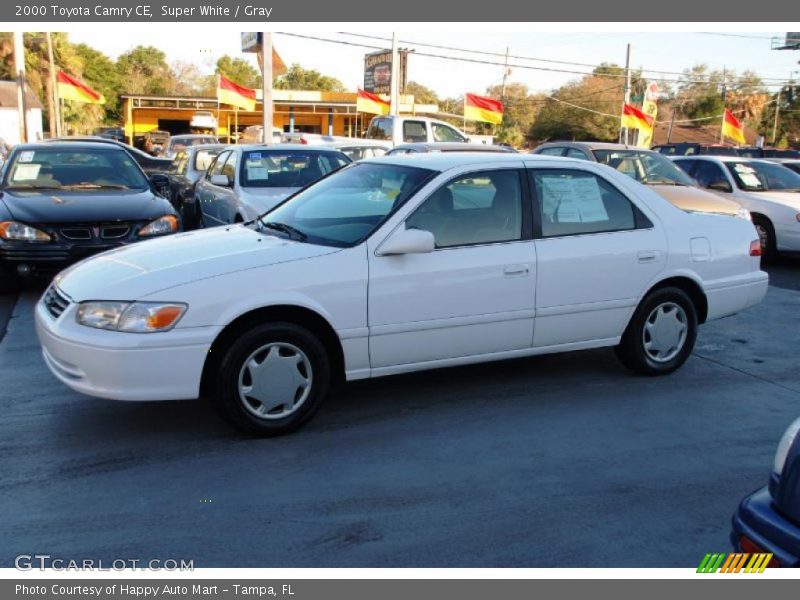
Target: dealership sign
[[378, 71]]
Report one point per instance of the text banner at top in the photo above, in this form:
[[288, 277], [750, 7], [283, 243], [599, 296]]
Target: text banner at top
[[263, 11]]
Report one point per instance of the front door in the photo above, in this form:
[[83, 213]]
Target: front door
[[475, 293]]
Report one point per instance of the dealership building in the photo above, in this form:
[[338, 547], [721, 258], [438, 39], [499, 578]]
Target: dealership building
[[332, 113]]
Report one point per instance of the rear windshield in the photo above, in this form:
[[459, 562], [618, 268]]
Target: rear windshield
[[84, 169], [288, 168]]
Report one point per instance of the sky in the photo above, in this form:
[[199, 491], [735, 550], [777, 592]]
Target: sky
[[650, 50]]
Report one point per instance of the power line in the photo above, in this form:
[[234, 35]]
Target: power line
[[682, 75]]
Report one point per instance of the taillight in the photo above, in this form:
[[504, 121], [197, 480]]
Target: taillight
[[303, 141], [755, 248], [750, 547]]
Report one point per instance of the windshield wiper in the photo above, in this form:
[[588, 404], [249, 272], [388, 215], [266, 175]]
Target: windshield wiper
[[94, 186], [660, 181], [292, 232], [30, 186]]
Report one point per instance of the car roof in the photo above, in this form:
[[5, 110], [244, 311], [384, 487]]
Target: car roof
[[279, 147], [453, 147], [591, 146], [197, 147], [81, 144], [443, 161]]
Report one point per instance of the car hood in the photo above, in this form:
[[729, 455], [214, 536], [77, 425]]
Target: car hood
[[790, 199], [263, 199], [72, 207], [131, 272], [696, 200]]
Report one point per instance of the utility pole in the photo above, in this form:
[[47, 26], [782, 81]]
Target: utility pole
[[505, 76], [55, 121], [19, 69], [266, 82], [394, 97], [623, 131], [724, 97], [775, 122]]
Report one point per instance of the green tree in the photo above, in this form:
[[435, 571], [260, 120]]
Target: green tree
[[298, 78], [144, 70], [421, 93], [100, 73], [239, 71]]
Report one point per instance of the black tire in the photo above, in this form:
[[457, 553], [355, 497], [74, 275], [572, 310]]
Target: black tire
[[766, 234], [631, 350], [231, 369]]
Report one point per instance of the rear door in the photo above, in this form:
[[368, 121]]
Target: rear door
[[597, 253]]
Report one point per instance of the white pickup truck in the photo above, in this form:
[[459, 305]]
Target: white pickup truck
[[393, 130]]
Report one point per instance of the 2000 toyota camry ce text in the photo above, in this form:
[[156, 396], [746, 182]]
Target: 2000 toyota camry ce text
[[398, 264]]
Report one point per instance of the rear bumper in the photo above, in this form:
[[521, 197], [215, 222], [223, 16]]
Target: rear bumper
[[757, 519], [729, 296]]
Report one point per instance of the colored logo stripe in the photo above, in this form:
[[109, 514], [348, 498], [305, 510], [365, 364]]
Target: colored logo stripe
[[735, 562]]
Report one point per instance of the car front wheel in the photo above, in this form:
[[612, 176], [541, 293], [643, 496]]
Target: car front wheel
[[661, 333], [272, 379]]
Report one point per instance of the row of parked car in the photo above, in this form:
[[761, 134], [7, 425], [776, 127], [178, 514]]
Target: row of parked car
[[434, 255]]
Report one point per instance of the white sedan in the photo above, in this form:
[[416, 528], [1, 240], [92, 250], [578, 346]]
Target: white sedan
[[770, 191], [399, 264]]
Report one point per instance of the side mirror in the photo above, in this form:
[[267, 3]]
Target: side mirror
[[407, 241], [220, 180], [720, 185]]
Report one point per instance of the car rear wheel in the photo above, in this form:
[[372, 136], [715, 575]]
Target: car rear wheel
[[272, 379], [661, 333], [766, 234]]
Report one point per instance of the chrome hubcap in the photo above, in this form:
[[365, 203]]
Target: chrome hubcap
[[275, 380], [665, 332]]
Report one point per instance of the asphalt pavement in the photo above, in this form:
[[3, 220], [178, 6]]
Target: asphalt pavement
[[554, 461]]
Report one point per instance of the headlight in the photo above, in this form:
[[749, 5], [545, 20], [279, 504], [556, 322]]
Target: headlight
[[743, 213], [131, 317], [161, 226], [11, 230], [783, 447]]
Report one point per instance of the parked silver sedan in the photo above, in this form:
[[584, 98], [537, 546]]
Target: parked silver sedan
[[246, 181]]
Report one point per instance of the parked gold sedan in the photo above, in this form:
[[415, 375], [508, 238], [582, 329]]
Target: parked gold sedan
[[650, 168]]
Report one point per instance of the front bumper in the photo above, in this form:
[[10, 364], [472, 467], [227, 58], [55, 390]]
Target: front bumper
[[123, 366], [757, 519]]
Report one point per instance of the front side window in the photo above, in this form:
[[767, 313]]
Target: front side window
[[84, 169], [577, 202], [229, 168], [380, 129], [414, 131], [216, 168], [443, 133], [287, 168], [479, 208], [348, 206]]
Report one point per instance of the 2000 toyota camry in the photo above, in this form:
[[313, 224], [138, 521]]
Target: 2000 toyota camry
[[398, 264]]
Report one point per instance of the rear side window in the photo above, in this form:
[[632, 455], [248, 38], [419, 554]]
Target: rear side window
[[686, 165], [552, 151], [576, 202], [414, 131], [443, 133], [380, 129], [575, 153], [707, 173]]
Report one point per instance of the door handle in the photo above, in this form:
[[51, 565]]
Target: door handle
[[516, 270], [646, 256]]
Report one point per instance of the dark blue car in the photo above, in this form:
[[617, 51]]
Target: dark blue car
[[768, 520]]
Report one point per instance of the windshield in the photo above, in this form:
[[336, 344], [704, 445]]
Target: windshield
[[74, 169], [287, 168], [345, 208], [763, 176], [643, 166]]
